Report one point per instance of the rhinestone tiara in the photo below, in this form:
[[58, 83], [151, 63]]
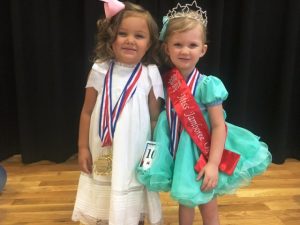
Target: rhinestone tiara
[[184, 10]]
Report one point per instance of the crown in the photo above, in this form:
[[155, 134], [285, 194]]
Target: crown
[[184, 11]]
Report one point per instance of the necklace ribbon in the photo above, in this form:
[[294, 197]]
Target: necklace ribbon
[[109, 115], [192, 119], [174, 123]]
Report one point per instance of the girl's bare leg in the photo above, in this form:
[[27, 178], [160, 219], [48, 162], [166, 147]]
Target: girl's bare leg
[[210, 213], [186, 215]]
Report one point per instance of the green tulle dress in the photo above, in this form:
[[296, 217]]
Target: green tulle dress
[[179, 177]]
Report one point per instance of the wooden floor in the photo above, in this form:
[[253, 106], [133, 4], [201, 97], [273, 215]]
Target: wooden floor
[[43, 193]]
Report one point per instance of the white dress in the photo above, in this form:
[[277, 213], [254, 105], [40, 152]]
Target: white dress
[[119, 198]]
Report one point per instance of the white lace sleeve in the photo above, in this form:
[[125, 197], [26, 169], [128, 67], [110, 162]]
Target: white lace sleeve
[[156, 81], [97, 75]]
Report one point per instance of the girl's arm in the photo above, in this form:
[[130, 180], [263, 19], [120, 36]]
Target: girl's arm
[[218, 136], [154, 109], [84, 154]]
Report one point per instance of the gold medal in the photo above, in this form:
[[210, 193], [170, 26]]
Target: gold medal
[[103, 165]]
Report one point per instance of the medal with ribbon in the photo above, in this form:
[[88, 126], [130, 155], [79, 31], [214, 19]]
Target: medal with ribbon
[[109, 115], [192, 120], [174, 123]]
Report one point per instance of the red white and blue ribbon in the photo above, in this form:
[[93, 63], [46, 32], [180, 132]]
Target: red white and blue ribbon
[[109, 115], [174, 122], [193, 121]]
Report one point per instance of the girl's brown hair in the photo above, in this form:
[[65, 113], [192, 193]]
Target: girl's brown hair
[[108, 29]]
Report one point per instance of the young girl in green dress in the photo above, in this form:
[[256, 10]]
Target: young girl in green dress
[[192, 131]]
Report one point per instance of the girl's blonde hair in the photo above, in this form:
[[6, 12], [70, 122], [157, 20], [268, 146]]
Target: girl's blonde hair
[[108, 30], [179, 25]]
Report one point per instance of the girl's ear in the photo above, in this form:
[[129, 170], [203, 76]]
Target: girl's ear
[[165, 46], [204, 49], [149, 45]]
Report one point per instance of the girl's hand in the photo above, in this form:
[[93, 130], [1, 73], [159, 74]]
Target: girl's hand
[[85, 160], [210, 172]]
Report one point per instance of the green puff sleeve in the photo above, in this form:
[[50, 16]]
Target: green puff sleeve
[[212, 91]]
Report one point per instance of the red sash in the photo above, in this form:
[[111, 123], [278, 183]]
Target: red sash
[[194, 123]]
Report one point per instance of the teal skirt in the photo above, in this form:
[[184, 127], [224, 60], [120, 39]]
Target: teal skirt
[[179, 177]]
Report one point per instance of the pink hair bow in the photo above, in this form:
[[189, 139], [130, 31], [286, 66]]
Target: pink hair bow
[[112, 7]]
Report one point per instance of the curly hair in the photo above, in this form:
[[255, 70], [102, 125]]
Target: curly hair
[[107, 33]]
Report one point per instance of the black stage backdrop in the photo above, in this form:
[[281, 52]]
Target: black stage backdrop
[[46, 47]]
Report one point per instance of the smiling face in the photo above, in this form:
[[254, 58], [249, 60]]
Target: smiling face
[[185, 49], [132, 40]]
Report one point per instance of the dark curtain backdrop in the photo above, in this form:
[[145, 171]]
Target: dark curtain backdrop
[[46, 47]]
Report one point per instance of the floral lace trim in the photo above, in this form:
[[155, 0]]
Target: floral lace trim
[[88, 220]]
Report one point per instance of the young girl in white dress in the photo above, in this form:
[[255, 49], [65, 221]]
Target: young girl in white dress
[[121, 107]]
